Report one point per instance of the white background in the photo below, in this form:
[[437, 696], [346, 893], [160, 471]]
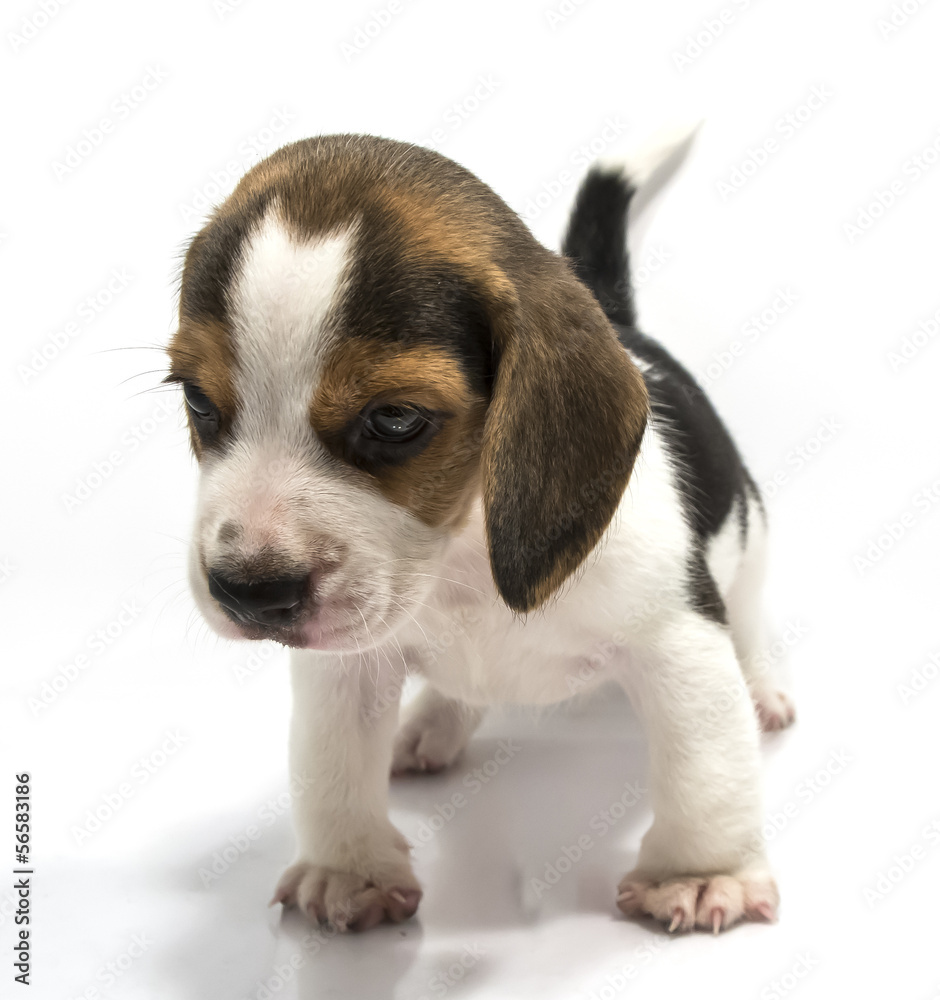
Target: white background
[[98, 486]]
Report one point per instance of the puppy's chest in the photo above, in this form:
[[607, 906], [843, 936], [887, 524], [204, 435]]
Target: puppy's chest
[[472, 647]]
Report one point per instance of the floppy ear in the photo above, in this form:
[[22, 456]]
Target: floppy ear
[[562, 432]]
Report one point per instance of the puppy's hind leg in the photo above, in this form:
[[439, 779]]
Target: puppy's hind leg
[[434, 732], [745, 616], [702, 862]]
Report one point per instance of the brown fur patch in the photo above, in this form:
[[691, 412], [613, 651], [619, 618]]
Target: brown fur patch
[[436, 485], [201, 353], [453, 232]]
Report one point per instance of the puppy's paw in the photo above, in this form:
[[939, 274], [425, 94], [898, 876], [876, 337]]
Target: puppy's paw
[[774, 710], [435, 735], [348, 901], [713, 902]]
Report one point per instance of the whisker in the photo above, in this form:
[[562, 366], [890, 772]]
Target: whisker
[[394, 639], [155, 371], [458, 583], [415, 620], [132, 347]]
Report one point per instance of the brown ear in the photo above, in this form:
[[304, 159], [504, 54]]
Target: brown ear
[[562, 432]]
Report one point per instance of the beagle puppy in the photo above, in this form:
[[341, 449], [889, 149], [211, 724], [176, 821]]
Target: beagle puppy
[[429, 445]]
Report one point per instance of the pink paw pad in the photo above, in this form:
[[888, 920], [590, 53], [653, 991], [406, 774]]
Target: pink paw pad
[[712, 903], [775, 710]]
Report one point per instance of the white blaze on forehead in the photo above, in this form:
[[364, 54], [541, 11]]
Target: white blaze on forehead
[[278, 306], [275, 483]]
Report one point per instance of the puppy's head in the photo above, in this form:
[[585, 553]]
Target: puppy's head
[[369, 340]]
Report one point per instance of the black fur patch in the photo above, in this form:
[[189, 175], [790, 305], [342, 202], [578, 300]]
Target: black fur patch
[[711, 477], [212, 262], [703, 590], [406, 303], [596, 243]]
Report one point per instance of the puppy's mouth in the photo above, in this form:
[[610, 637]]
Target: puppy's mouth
[[311, 634], [288, 610]]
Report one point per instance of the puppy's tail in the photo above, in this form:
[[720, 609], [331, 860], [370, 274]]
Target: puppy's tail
[[596, 240]]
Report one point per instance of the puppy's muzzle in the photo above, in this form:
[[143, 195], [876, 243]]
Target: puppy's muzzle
[[277, 602]]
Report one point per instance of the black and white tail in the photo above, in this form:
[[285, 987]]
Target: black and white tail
[[596, 240]]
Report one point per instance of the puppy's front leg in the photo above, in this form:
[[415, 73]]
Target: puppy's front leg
[[352, 867], [702, 862]]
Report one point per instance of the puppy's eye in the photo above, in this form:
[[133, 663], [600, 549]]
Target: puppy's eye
[[198, 401], [395, 423], [384, 435], [200, 406]]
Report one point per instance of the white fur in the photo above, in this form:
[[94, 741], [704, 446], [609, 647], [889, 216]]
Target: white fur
[[279, 307], [648, 168]]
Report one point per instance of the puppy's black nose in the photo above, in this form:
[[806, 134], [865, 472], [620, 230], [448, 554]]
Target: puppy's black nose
[[267, 602]]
